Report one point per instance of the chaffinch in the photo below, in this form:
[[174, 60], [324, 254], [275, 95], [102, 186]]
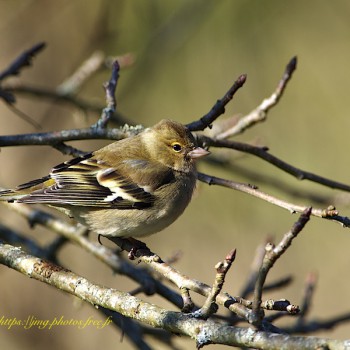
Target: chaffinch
[[130, 188]]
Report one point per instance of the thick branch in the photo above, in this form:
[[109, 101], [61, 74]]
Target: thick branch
[[204, 332], [52, 138]]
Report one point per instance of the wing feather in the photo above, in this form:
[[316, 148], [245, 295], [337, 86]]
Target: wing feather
[[84, 181]]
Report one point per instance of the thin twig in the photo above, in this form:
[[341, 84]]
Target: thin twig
[[310, 285], [188, 304], [272, 254], [97, 60], [262, 152], [24, 116], [210, 307], [23, 60], [329, 213], [218, 108], [110, 88], [72, 84], [259, 114], [54, 96], [255, 175], [254, 270]]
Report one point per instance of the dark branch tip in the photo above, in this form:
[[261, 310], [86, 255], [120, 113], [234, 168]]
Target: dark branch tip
[[292, 65], [307, 212], [231, 256], [242, 79], [38, 47], [116, 65]]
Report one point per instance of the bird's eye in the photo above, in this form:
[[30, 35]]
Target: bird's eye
[[176, 147]]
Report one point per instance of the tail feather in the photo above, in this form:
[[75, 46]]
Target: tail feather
[[12, 195]]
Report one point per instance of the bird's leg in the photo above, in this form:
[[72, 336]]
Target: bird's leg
[[135, 248], [138, 248]]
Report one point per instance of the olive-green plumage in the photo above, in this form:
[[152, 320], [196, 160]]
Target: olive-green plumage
[[130, 188]]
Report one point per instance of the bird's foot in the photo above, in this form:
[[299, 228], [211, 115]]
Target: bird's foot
[[136, 248]]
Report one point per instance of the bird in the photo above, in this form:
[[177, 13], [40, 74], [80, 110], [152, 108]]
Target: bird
[[130, 188]]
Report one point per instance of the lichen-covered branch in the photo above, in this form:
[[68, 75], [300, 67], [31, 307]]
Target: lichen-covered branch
[[204, 332]]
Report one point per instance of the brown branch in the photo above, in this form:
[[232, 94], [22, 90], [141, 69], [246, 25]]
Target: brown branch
[[98, 60], [230, 163], [66, 91], [309, 289], [110, 88], [23, 60], [272, 254], [55, 96], [218, 108], [262, 152], [188, 304], [329, 213], [24, 116], [254, 271], [54, 137], [14, 68], [259, 114], [72, 84], [210, 306], [68, 150]]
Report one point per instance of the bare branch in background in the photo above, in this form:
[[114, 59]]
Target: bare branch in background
[[88, 68], [23, 60]]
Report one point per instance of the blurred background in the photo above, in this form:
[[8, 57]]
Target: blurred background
[[187, 54]]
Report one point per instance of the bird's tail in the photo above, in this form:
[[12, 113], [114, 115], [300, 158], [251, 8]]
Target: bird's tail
[[12, 195]]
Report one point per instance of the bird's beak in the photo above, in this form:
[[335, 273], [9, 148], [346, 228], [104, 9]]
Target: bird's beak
[[198, 152]]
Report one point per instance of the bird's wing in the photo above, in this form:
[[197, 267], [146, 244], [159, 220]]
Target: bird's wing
[[85, 181]]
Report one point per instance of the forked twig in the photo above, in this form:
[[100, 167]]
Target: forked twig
[[272, 254]]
